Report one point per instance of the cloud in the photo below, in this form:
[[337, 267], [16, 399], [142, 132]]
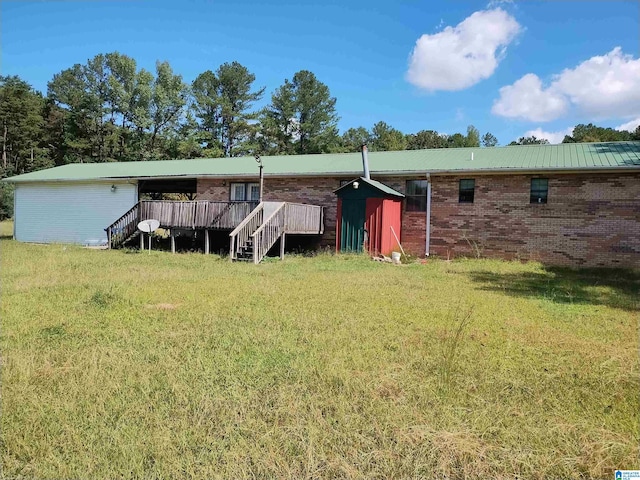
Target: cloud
[[606, 86], [527, 99], [553, 137], [461, 56], [629, 126]]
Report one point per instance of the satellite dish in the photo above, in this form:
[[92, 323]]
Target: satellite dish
[[148, 226]]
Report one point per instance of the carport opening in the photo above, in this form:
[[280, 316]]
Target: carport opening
[[182, 189]]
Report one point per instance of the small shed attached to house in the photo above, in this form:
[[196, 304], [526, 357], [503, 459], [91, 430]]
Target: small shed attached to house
[[369, 217]]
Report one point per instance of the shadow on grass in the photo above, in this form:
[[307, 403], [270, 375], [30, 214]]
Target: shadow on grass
[[615, 288]]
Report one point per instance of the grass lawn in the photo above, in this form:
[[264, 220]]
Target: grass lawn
[[6, 229], [117, 364]]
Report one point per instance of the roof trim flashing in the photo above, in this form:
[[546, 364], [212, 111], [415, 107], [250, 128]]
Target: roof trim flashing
[[355, 173]]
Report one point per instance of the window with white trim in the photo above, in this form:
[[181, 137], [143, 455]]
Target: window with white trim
[[245, 192]]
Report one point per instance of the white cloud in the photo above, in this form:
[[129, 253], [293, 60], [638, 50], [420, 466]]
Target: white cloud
[[606, 86], [527, 99], [461, 56], [553, 137], [629, 126]]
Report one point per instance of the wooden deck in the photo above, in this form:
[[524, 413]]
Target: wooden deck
[[190, 215], [265, 222]]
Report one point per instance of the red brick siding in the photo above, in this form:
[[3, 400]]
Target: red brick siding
[[589, 220]]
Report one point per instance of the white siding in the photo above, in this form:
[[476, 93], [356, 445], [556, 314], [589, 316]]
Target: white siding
[[70, 212]]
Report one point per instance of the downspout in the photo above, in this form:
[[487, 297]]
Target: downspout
[[428, 232], [15, 207]]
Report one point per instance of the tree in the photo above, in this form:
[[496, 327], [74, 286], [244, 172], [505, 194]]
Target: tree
[[301, 117], [354, 138], [426, 139], [473, 137], [457, 140], [130, 98], [222, 103], [530, 141], [387, 138], [592, 133], [168, 98], [489, 140], [21, 128]]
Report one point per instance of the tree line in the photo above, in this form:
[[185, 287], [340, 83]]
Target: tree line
[[110, 110]]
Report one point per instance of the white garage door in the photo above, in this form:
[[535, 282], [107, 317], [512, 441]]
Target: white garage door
[[70, 212]]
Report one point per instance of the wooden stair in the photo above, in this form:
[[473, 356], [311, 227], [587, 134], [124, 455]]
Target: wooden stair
[[269, 222]]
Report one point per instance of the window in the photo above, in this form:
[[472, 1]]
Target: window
[[539, 190], [467, 188], [416, 193], [344, 182], [243, 192]]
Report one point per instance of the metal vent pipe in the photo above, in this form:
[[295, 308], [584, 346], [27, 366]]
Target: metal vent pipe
[[365, 162]]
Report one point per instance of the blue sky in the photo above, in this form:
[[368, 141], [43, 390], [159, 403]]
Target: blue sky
[[508, 67]]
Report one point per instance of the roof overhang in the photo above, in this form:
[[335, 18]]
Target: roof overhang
[[355, 173]]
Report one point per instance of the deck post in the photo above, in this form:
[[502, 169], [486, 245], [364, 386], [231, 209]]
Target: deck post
[[173, 240], [282, 246], [109, 237], [206, 242], [141, 242]]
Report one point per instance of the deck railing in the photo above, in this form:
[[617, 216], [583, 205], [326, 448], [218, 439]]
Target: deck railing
[[196, 214]]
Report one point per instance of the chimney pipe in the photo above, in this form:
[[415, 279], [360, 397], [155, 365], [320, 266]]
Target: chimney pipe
[[365, 162]]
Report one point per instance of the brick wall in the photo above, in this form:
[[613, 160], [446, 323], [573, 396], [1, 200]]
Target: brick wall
[[589, 220], [312, 190]]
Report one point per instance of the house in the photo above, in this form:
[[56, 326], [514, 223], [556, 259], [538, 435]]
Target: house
[[567, 204]]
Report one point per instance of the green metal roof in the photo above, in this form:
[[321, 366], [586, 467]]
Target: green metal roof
[[375, 184], [563, 157]]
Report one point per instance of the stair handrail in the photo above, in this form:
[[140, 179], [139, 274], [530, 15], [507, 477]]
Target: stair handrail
[[117, 234], [240, 235], [304, 218], [268, 233]]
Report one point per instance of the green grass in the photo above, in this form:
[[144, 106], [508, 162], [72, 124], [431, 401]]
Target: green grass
[[117, 364], [6, 229]]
